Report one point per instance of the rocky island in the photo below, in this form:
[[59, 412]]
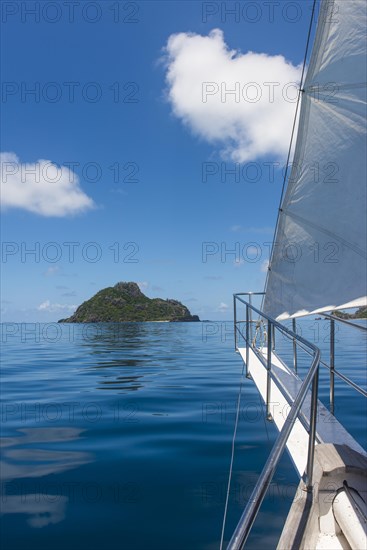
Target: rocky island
[[125, 302], [361, 313]]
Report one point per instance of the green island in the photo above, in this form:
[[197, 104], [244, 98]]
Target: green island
[[361, 313], [125, 302]]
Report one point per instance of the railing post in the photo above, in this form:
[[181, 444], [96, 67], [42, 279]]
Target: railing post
[[312, 432], [268, 378], [294, 328], [250, 316], [247, 340], [235, 321], [332, 364]]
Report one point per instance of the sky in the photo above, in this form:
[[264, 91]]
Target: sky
[[143, 141]]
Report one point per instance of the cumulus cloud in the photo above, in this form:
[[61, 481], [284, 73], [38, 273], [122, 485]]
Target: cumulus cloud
[[254, 120], [41, 187], [49, 307], [223, 307]]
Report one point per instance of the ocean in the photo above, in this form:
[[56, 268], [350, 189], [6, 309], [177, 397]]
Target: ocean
[[118, 436]]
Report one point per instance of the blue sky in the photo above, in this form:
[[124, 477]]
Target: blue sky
[[136, 168]]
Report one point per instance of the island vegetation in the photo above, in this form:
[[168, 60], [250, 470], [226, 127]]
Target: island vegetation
[[125, 302], [361, 313]]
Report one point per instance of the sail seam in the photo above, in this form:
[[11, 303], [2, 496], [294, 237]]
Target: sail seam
[[326, 232]]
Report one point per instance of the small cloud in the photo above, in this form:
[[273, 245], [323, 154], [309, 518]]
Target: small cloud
[[157, 288], [191, 300], [238, 262], [41, 187], [52, 270], [69, 294], [213, 277], [236, 228], [223, 307], [253, 252], [62, 287], [52, 308]]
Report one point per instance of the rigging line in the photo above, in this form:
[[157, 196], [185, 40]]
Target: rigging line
[[290, 144], [232, 457]]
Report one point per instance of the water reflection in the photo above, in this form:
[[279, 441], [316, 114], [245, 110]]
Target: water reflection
[[126, 383], [135, 336], [128, 354], [41, 511], [21, 460]]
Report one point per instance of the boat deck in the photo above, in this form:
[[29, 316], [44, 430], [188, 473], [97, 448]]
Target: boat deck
[[312, 521], [285, 385]]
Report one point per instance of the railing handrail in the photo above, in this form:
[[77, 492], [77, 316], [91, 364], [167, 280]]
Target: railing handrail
[[248, 517], [327, 315], [275, 323], [249, 294]]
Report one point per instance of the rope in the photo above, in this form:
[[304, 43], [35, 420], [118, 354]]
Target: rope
[[264, 336], [232, 457], [290, 147]]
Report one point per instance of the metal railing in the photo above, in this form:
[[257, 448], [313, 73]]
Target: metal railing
[[332, 358], [248, 517], [331, 367]]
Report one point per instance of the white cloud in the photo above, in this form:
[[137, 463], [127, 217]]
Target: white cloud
[[52, 270], [41, 187], [236, 228], [223, 307], [48, 306], [256, 120]]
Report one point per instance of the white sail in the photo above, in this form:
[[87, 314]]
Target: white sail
[[319, 255]]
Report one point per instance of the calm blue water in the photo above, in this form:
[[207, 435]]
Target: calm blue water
[[119, 436]]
